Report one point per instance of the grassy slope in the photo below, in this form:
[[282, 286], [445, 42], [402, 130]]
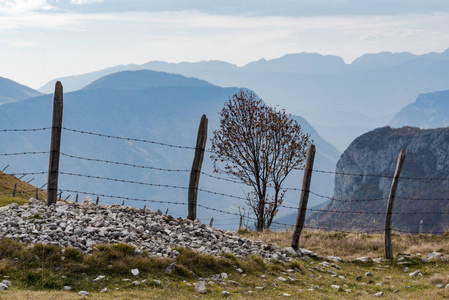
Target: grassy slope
[[24, 191], [40, 272]]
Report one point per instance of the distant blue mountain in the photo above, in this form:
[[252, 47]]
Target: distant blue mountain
[[428, 111], [146, 105], [144, 79], [321, 88], [11, 91]]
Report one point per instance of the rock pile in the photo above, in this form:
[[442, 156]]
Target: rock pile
[[82, 225]]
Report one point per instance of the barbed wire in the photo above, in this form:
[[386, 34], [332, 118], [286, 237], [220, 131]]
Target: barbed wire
[[25, 129], [422, 199], [130, 139], [123, 163], [149, 184], [24, 153]]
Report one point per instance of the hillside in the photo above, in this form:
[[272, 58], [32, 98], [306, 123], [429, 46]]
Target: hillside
[[342, 101], [372, 157], [168, 114], [144, 79], [24, 191], [11, 91], [428, 111]]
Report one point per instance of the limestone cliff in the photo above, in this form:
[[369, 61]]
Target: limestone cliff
[[375, 153]]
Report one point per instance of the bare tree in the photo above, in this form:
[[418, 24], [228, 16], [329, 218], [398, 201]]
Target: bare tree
[[260, 146]]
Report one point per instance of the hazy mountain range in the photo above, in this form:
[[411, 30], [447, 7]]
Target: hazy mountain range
[[342, 101], [144, 105], [11, 91], [428, 111]]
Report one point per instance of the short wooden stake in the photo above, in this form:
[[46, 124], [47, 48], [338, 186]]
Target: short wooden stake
[[98, 199], [123, 202], [166, 212], [241, 223], [55, 145], [391, 197], [196, 168], [300, 218], [420, 226], [60, 196], [37, 194], [211, 222], [15, 190]]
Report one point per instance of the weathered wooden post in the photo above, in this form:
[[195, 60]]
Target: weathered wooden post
[[211, 222], [241, 223], [420, 226], [15, 190], [166, 212], [310, 157], [98, 199], [76, 199], [55, 146], [391, 197], [123, 202], [37, 194], [60, 196], [196, 168]]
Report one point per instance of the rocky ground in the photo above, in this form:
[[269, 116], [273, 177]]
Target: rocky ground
[[83, 225]]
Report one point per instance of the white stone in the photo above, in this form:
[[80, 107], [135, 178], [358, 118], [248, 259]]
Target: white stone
[[379, 294], [83, 293], [200, 287], [135, 272]]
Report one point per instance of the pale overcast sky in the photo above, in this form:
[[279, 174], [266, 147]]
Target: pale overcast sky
[[44, 39]]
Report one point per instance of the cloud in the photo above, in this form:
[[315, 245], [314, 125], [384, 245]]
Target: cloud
[[369, 38], [84, 1], [22, 6], [408, 32]]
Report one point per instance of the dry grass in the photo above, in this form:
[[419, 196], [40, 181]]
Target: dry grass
[[353, 245], [24, 190]]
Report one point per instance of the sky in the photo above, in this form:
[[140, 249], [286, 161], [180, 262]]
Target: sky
[[41, 40]]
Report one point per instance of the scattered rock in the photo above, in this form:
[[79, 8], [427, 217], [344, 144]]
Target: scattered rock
[[6, 282], [157, 282], [364, 260], [200, 287], [135, 272], [359, 278], [226, 294], [3, 286], [286, 295], [83, 293], [240, 270], [335, 258], [337, 287], [379, 294], [368, 274], [67, 288], [171, 268], [105, 290], [263, 276], [136, 282], [439, 286], [280, 278], [224, 276], [417, 273]]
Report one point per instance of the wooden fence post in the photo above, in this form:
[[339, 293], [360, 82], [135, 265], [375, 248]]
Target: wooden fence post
[[15, 190], [394, 186], [310, 157], [196, 168], [55, 146], [420, 226], [98, 199], [37, 194], [211, 222]]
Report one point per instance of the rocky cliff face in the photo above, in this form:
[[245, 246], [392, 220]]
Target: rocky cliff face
[[375, 153]]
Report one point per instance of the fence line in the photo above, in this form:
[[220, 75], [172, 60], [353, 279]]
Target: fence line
[[196, 168]]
